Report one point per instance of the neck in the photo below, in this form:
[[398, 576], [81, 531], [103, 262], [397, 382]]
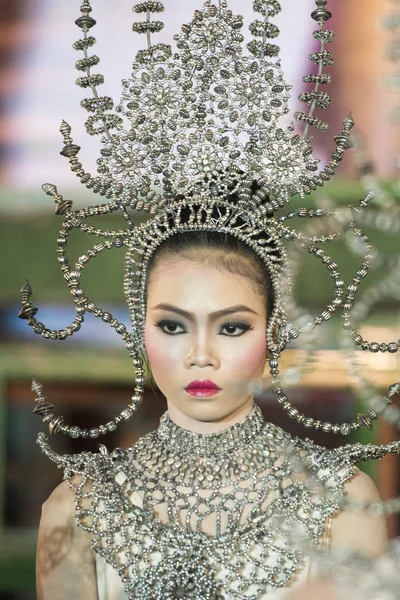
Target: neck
[[210, 426], [178, 441]]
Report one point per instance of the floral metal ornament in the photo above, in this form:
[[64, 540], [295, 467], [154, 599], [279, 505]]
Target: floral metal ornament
[[195, 144]]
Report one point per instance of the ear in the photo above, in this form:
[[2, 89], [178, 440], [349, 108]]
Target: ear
[[275, 334]]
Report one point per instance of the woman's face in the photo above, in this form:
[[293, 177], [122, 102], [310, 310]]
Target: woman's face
[[204, 327]]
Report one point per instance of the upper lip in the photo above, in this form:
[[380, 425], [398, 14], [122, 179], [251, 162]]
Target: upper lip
[[204, 384]]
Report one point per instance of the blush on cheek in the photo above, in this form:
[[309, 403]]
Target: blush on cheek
[[155, 352], [252, 361], [160, 360]]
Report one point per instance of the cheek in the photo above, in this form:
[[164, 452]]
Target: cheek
[[155, 351], [161, 354], [250, 359]]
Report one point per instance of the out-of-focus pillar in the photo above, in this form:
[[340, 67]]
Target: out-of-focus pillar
[[361, 73]]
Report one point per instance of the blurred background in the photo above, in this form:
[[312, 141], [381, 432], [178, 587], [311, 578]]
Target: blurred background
[[89, 377]]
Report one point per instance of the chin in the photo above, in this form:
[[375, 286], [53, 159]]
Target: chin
[[211, 410]]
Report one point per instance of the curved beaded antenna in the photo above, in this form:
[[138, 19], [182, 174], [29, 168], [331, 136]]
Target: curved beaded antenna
[[383, 215], [358, 217], [195, 144], [350, 324], [114, 239]]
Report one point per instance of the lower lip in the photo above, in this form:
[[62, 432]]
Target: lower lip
[[202, 392]]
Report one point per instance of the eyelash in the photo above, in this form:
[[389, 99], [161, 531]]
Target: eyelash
[[165, 322]]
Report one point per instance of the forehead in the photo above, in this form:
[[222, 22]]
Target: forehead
[[199, 287]]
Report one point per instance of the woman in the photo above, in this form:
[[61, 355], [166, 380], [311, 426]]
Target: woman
[[215, 503], [208, 505]]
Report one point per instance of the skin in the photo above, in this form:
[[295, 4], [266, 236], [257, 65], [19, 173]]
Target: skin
[[197, 350], [204, 345], [318, 590], [200, 345]]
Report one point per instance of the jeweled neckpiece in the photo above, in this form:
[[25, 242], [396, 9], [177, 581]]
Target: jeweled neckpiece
[[203, 516], [208, 461], [209, 445]]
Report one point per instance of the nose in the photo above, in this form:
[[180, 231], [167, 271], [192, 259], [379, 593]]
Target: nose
[[202, 353]]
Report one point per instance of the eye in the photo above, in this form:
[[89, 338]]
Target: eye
[[170, 327], [235, 329]]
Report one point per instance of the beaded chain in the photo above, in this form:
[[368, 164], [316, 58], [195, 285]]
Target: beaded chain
[[212, 516]]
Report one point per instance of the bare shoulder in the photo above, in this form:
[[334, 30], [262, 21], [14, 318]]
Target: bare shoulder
[[359, 530], [59, 508], [362, 487], [58, 530], [65, 565]]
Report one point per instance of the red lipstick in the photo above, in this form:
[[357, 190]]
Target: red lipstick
[[202, 388]]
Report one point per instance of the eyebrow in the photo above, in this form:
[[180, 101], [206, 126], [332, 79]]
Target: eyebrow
[[213, 316]]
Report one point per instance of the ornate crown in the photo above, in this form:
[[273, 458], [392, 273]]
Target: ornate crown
[[202, 119], [195, 142]]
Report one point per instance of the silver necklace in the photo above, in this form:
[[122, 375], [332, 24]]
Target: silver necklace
[[205, 517]]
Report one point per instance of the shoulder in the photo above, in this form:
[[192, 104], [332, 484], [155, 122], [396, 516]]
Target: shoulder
[[59, 506], [359, 530], [59, 526], [362, 487], [65, 563]]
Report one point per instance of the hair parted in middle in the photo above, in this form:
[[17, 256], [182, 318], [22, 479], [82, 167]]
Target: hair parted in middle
[[220, 251]]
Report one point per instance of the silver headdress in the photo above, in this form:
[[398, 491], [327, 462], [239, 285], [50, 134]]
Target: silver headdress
[[195, 143]]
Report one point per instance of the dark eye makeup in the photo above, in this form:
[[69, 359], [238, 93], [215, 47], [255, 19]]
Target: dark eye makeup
[[171, 327]]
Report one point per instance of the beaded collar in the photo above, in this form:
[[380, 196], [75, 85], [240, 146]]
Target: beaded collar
[[185, 443], [205, 517]]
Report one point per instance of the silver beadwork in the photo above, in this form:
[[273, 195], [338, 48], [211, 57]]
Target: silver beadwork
[[169, 484], [203, 137]]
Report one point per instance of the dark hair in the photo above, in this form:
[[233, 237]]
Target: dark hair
[[234, 256]]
